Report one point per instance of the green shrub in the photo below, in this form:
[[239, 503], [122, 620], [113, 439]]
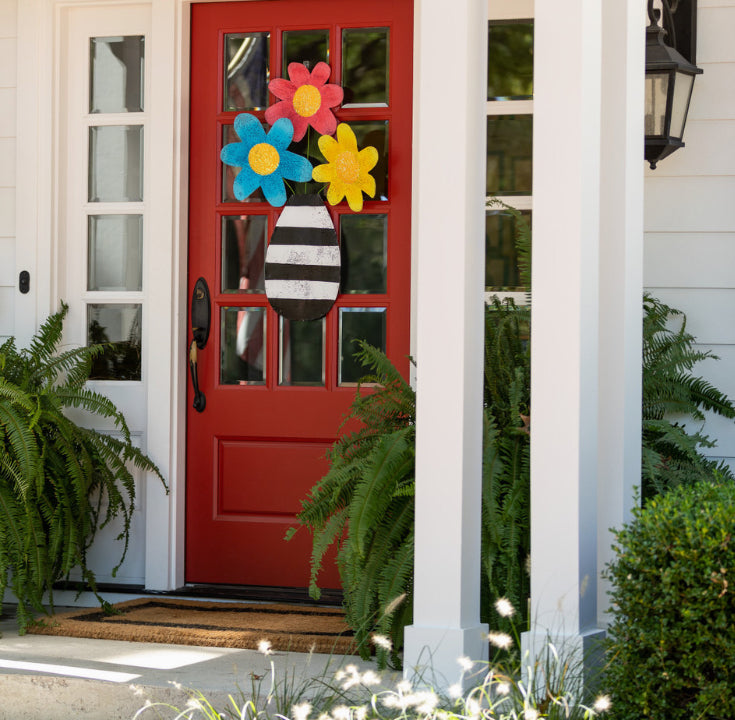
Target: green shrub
[[671, 652]]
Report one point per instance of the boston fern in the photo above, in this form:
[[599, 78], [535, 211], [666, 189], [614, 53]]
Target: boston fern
[[59, 482], [674, 399], [365, 503]]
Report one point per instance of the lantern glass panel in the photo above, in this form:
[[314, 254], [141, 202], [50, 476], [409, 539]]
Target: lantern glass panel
[[682, 92], [656, 86]]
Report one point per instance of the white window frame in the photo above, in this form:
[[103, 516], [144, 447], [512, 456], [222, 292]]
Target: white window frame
[[499, 10]]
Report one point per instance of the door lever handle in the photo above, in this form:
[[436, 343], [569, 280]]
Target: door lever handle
[[201, 315], [200, 402]]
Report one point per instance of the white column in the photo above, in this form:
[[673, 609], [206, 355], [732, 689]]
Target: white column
[[564, 344], [621, 270], [449, 182], [164, 557]]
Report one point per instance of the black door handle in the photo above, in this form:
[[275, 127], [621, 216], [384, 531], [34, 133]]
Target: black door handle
[[201, 316], [200, 402]]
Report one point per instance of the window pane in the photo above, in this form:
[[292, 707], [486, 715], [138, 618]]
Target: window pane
[[375, 134], [243, 346], [229, 173], [680, 104], [305, 46], [501, 254], [114, 252], [655, 118], [364, 245], [365, 66], [116, 72], [358, 324], [116, 163], [509, 60], [509, 154], [120, 325], [302, 352], [246, 71], [243, 253]]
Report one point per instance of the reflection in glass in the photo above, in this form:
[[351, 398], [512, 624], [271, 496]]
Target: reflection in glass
[[501, 253], [246, 71], [243, 253], [358, 324], [365, 66], [364, 245], [509, 154], [510, 60], [116, 163], [114, 252], [375, 134], [116, 71], [121, 326], [301, 352], [305, 46], [656, 86], [229, 173], [243, 346]]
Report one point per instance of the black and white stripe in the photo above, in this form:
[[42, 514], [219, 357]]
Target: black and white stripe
[[302, 263]]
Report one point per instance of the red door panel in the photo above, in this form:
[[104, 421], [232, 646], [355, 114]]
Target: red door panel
[[276, 392]]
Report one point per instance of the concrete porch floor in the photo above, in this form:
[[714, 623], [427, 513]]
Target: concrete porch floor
[[59, 678]]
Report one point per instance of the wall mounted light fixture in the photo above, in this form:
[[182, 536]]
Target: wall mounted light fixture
[[670, 72]]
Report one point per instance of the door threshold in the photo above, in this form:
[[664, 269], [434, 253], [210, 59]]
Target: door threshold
[[252, 593]]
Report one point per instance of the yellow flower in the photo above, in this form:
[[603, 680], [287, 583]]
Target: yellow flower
[[347, 169]]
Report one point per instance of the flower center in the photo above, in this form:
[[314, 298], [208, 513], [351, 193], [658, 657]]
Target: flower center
[[307, 100], [347, 167], [263, 158]]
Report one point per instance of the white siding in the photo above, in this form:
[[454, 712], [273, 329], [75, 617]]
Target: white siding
[[8, 53], [690, 214]]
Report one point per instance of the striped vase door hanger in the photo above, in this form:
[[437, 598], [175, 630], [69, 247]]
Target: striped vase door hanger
[[299, 265], [302, 264]]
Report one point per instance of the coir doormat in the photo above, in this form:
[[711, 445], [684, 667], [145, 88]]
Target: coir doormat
[[189, 622]]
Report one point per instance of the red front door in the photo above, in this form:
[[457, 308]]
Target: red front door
[[277, 390]]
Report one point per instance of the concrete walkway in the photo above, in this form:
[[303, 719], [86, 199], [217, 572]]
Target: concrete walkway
[[57, 678]]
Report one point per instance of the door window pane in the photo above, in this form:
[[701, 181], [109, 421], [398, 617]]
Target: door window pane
[[510, 60], [375, 134], [365, 66], [364, 245], [305, 46], [116, 71], [358, 324], [116, 163], [246, 71], [301, 359], [501, 254], [242, 360], [509, 154], [114, 252], [243, 253], [120, 325], [229, 173]]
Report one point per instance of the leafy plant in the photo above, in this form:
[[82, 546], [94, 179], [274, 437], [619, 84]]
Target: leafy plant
[[506, 529], [365, 505], [59, 482], [672, 637], [673, 399]]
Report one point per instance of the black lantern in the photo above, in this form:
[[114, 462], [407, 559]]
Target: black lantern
[[669, 83]]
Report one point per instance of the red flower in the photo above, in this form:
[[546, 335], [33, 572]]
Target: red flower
[[305, 99]]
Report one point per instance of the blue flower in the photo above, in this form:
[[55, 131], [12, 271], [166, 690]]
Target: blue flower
[[264, 160]]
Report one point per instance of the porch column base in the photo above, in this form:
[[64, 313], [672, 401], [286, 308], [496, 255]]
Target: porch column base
[[580, 657], [430, 653]]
